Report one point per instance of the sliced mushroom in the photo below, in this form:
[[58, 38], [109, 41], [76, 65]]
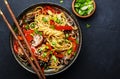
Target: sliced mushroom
[[66, 62], [37, 40]]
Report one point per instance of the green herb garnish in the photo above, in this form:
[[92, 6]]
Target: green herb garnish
[[84, 7], [44, 54], [44, 19], [53, 43], [88, 25], [69, 51], [61, 1], [25, 21], [32, 25], [27, 27], [66, 35], [54, 58], [37, 32]]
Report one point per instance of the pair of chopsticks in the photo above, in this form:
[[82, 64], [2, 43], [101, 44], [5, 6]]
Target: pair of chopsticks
[[35, 65]]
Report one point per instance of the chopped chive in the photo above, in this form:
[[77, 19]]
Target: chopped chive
[[66, 41], [32, 25], [61, 1], [84, 7], [54, 58], [25, 21], [47, 47], [58, 21], [44, 54], [66, 35], [40, 33], [36, 31], [53, 43], [69, 51], [27, 27], [39, 50], [88, 25], [44, 19]]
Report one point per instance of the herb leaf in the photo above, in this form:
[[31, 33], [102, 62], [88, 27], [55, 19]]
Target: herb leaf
[[88, 25]]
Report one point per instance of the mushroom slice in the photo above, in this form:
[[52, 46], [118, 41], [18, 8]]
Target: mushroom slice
[[37, 40]]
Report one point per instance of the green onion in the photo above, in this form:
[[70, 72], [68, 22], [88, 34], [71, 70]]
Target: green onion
[[37, 32], [27, 27], [69, 51], [40, 33], [66, 41], [61, 1], [53, 43], [32, 25], [66, 35], [39, 50], [58, 21], [44, 19], [84, 7], [77, 5], [54, 58], [47, 47], [44, 54], [25, 21], [88, 25]]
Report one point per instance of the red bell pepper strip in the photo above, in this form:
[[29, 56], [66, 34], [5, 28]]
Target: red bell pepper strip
[[58, 55], [74, 47], [15, 46], [63, 28], [28, 36], [52, 22], [46, 8], [20, 38], [49, 46]]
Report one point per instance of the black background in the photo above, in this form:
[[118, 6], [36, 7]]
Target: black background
[[100, 54]]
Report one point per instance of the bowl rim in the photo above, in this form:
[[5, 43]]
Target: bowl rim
[[73, 9], [71, 15]]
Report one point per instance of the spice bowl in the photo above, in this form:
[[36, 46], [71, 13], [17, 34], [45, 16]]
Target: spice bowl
[[83, 8]]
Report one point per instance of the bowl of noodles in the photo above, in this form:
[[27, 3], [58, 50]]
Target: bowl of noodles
[[53, 34]]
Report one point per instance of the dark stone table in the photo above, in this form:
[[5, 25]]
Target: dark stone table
[[100, 54]]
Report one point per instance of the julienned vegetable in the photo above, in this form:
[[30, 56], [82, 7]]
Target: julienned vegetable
[[84, 7]]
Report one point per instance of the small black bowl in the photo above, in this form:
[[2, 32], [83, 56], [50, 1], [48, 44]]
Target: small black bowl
[[28, 68]]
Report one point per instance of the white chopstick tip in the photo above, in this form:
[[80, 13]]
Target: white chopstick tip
[[5, 1]]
